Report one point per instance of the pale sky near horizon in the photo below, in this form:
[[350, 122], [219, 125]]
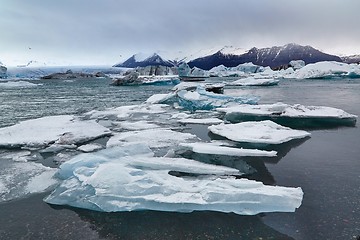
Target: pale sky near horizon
[[102, 32]]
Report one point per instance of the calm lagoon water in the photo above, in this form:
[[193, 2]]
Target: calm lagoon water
[[326, 166]]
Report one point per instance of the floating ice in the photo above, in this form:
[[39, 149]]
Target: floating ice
[[107, 181], [63, 129], [327, 70], [266, 132], [154, 138], [204, 121], [290, 115], [250, 81], [18, 179], [18, 84], [213, 148], [138, 125]]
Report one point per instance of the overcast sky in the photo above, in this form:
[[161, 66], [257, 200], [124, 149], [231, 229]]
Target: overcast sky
[[108, 31]]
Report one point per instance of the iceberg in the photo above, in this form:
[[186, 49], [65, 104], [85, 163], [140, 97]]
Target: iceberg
[[263, 132], [108, 181], [91, 147], [41, 132], [3, 70], [290, 115], [325, 70], [18, 179], [200, 99], [215, 149], [251, 81]]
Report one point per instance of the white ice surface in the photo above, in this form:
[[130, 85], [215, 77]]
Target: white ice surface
[[154, 138], [284, 110], [63, 129], [266, 132], [138, 125], [107, 181], [214, 148]]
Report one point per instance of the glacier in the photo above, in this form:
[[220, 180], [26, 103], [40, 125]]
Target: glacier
[[296, 115], [124, 179], [263, 132]]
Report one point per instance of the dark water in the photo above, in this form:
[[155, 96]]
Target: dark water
[[326, 166]]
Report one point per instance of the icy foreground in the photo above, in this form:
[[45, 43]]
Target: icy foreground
[[41, 132], [265, 132], [283, 113], [127, 178]]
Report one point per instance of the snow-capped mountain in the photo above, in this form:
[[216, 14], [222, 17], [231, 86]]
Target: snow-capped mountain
[[273, 57], [143, 60], [351, 59]]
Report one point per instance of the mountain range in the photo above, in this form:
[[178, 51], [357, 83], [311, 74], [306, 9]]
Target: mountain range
[[230, 57]]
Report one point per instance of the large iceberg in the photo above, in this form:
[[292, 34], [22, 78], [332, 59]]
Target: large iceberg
[[41, 132], [290, 115], [263, 132], [110, 181], [322, 70]]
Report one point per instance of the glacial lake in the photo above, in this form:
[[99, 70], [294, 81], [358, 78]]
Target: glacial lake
[[326, 167]]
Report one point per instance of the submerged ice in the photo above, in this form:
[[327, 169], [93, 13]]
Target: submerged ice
[[127, 178]]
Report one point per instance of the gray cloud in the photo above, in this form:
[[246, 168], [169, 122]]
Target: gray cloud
[[99, 31]]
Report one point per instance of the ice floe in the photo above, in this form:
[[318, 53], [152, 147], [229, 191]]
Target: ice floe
[[90, 147], [18, 179], [41, 132], [250, 81], [110, 182], [205, 121], [213, 148], [265, 132], [290, 115], [154, 138], [138, 125]]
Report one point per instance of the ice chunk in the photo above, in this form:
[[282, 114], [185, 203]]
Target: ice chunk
[[161, 98], [297, 64], [201, 121], [154, 138], [250, 81], [211, 148], [64, 129], [266, 132], [18, 84], [290, 115], [105, 181], [18, 179], [90, 147]]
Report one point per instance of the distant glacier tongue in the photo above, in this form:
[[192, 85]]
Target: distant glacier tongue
[[129, 178]]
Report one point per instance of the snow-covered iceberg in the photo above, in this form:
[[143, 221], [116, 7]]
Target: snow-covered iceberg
[[324, 70], [109, 181], [251, 81], [41, 132], [3, 70], [263, 132], [290, 115]]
